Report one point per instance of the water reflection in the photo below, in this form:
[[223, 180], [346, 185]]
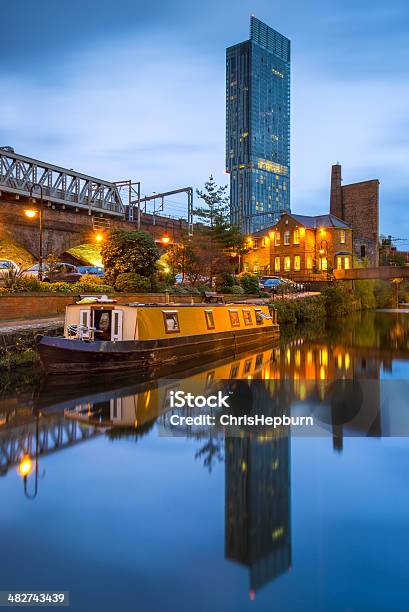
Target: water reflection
[[257, 507], [338, 379]]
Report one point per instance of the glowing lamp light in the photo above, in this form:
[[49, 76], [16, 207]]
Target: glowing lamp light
[[31, 214], [99, 237], [322, 251], [25, 466], [165, 239]]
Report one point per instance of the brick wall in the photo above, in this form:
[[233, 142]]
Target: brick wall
[[32, 306], [361, 211]]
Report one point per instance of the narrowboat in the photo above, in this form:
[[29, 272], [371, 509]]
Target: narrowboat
[[104, 336]]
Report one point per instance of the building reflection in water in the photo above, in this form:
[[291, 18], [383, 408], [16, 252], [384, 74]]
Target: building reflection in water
[[257, 507]]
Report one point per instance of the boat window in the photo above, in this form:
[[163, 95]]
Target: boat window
[[234, 318], [209, 319], [234, 370], [171, 320], [259, 318], [117, 316], [247, 317], [247, 366]]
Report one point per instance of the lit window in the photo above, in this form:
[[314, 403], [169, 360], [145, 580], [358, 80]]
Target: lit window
[[324, 263], [277, 239], [277, 264], [263, 242], [286, 237], [309, 262], [297, 263], [342, 236], [209, 319], [296, 236], [247, 317], [339, 263], [171, 321], [234, 318], [246, 266], [255, 243], [347, 263], [287, 264], [255, 268]]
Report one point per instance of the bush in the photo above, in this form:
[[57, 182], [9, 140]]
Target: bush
[[29, 283], [60, 287], [383, 294], [364, 292], [133, 282], [88, 288], [202, 287], [339, 302], [249, 282], [91, 279], [129, 252], [228, 280], [233, 289]]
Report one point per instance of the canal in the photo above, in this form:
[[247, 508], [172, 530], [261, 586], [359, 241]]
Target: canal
[[127, 513]]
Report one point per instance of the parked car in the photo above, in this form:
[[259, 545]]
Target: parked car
[[263, 279], [274, 285], [7, 264], [96, 270], [60, 273]]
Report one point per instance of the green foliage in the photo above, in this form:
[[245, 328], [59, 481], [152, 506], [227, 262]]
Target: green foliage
[[29, 284], [80, 287], [91, 279], [133, 282], [237, 289], [249, 282], [228, 280], [61, 287], [383, 294], [364, 292], [303, 310], [126, 252], [339, 302]]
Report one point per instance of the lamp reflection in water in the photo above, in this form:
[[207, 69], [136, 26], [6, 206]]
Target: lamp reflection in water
[[25, 467]]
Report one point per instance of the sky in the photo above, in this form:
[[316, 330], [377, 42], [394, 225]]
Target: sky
[[128, 89]]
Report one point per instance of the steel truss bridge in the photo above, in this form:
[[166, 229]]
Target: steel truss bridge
[[54, 433], [60, 186]]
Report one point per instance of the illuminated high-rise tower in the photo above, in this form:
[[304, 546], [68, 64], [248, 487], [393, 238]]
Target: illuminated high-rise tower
[[258, 127]]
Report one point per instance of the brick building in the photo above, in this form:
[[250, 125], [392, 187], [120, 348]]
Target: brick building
[[358, 205], [300, 247]]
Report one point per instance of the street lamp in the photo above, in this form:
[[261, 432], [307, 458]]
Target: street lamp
[[165, 238], [32, 214], [99, 237]]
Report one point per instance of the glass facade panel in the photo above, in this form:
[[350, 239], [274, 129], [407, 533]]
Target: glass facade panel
[[258, 127]]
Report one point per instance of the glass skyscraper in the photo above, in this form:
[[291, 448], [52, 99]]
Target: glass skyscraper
[[258, 127]]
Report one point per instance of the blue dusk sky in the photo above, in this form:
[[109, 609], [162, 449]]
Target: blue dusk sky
[[129, 89]]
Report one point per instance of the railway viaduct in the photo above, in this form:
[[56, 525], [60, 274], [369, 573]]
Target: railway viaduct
[[75, 206]]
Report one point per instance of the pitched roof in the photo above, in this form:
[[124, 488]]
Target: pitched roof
[[320, 221]]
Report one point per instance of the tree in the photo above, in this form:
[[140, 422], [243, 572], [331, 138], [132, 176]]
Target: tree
[[129, 252], [184, 258], [216, 239]]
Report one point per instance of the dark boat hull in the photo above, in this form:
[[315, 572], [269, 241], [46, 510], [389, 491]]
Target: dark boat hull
[[63, 356]]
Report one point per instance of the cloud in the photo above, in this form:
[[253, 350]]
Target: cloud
[[124, 111]]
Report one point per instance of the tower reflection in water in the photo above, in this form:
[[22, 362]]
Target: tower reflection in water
[[257, 507]]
